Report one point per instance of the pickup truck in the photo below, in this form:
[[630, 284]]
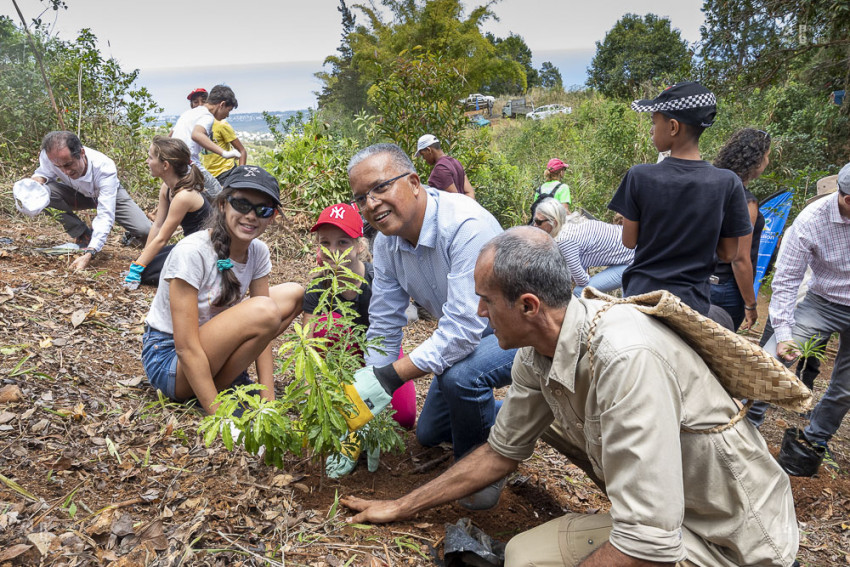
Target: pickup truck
[[478, 102], [517, 107]]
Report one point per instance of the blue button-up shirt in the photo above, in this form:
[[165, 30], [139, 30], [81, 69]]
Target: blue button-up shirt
[[438, 273]]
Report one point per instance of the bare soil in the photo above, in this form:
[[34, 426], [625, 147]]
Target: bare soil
[[97, 470]]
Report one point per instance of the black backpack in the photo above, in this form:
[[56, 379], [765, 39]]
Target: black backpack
[[539, 198]]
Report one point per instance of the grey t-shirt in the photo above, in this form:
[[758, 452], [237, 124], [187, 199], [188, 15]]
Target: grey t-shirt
[[193, 260]]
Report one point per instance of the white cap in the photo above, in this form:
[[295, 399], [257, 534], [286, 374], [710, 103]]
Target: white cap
[[425, 141], [31, 197], [844, 179]]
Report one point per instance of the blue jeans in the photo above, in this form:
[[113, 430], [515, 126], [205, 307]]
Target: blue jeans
[[606, 281], [728, 296], [460, 407], [159, 359], [819, 317]]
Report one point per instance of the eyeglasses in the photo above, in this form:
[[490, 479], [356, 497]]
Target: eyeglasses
[[539, 222], [377, 191], [245, 206]]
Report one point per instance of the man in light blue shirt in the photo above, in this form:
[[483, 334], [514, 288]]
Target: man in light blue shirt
[[427, 247]]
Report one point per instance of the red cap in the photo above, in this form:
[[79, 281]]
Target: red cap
[[343, 216], [556, 165], [196, 92]]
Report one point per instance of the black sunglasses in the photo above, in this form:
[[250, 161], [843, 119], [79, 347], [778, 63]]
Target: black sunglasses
[[538, 222], [245, 206]]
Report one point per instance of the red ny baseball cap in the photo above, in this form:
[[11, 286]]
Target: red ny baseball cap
[[342, 216], [195, 93]]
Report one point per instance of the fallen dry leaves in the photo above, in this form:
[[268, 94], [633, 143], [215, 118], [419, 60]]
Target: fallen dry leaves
[[96, 470]]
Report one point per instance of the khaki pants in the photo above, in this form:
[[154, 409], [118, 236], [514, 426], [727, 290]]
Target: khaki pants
[[564, 542]]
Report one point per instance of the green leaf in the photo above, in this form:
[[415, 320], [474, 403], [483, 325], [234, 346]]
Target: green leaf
[[226, 436]]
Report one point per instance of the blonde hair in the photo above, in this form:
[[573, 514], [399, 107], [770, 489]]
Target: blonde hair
[[361, 247], [554, 175], [554, 212]]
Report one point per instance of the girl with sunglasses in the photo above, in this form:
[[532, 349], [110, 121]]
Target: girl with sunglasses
[[201, 333], [182, 202]]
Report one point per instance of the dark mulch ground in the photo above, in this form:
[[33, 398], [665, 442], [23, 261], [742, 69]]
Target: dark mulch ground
[[97, 470]]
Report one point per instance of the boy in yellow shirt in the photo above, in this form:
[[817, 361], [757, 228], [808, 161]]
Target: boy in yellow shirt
[[224, 136]]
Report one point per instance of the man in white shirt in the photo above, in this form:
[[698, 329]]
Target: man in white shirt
[[819, 239], [81, 178], [194, 127]]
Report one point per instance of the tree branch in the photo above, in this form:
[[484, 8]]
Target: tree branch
[[40, 66]]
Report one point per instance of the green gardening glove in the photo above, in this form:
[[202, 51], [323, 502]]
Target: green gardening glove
[[342, 464], [368, 396]]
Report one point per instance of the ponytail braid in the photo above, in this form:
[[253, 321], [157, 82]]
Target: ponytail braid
[[220, 240]]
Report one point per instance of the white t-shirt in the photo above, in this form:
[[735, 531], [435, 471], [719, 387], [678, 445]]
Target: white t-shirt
[[193, 260], [198, 116], [99, 182]]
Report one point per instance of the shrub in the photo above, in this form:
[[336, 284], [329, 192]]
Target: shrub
[[310, 165], [417, 94]]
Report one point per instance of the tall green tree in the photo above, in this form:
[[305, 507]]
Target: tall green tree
[[512, 48], [550, 76], [344, 89], [639, 50], [761, 42], [436, 26]]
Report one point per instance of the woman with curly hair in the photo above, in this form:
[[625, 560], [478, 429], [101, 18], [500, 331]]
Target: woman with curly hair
[[746, 153]]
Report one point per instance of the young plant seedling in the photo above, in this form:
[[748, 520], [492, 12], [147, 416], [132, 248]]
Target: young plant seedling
[[309, 414]]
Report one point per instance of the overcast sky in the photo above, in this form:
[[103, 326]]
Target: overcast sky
[[268, 50]]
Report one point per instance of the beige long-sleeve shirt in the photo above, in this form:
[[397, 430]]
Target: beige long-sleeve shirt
[[716, 499]]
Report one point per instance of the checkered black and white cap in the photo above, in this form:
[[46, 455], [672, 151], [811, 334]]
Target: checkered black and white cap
[[688, 102]]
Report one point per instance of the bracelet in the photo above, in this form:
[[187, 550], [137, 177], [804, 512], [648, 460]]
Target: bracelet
[[753, 308]]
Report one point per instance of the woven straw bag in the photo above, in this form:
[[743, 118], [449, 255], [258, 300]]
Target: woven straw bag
[[744, 369]]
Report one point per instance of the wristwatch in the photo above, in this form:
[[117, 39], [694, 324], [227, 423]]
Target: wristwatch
[[91, 251]]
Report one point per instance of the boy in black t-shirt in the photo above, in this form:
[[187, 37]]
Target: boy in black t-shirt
[[681, 214]]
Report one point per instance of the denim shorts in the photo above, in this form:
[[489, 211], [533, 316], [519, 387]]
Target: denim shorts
[[159, 358]]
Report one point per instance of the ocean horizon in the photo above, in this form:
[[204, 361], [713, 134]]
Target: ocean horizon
[[289, 87]]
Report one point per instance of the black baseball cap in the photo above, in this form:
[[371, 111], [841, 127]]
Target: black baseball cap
[[688, 102], [253, 177]]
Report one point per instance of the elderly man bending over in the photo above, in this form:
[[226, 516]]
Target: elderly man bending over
[[677, 497]]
